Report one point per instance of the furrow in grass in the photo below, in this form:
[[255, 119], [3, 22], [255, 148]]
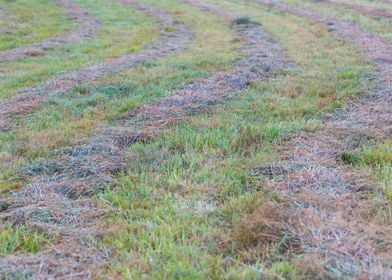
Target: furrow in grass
[[174, 37], [94, 164], [87, 26]]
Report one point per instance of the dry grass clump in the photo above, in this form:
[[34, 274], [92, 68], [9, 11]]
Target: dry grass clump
[[69, 263], [276, 169], [87, 166], [40, 207], [270, 223], [33, 52], [331, 236], [243, 20], [279, 233], [289, 177], [17, 106], [329, 212]]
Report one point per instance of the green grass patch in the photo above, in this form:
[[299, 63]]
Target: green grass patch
[[377, 158], [19, 238]]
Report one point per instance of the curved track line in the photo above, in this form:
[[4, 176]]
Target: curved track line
[[59, 184], [327, 211], [168, 42], [88, 26]]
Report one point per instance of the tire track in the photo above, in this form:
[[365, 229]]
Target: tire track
[[61, 185], [88, 27], [169, 41], [326, 211]]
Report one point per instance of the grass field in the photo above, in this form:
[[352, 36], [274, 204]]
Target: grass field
[[195, 139]]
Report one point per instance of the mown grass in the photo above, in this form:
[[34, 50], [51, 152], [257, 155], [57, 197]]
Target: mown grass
[[124, 30], [19, 238], [181, 204], [379, 25], [24, 22], [64, 120]]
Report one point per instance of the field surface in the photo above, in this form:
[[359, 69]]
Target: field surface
[[195, 139]]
